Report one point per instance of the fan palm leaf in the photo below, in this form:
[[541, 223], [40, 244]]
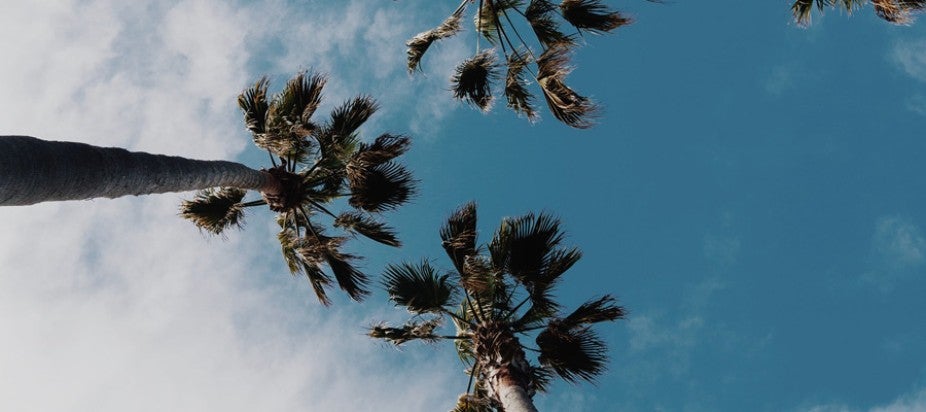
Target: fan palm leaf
[[472, 81], [418, 288], [215, 210], [592, 15]]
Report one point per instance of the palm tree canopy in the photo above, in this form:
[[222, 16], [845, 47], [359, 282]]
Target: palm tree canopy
[[497, 299], [315, 163], [545, 62]]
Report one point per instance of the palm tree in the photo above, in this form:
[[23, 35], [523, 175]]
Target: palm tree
[[894, 11], [474, 77], [314, 164], [495, 301]]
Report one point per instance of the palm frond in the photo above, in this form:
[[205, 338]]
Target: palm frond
[[301, 97], [539, 15], [524, 245], [385, 148], [602, 309], [367, 226], [300, 262], [476, 275], [541, 378], [591, 15], [897, 11], [486, 21], [215, 210], [472, 81], [381, 187], [565, 104], [348, 117], [519, 99], [573, 354], [253, 102], [413, 330], [418, 288], [458, 235], [419, 44]]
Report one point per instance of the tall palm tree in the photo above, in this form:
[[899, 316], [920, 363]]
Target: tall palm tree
[[314, 164], [894, 11], [493, 19], [495, 301]]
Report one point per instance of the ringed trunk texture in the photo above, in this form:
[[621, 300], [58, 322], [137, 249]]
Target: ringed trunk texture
[[505, 366], [34, 170]]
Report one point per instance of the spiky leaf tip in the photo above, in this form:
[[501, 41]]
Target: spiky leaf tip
[[215, 210], [458, 235], [472, 80]]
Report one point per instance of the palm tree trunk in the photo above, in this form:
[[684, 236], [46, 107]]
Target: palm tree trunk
[[34, 170], [505, 366], [514, 398]]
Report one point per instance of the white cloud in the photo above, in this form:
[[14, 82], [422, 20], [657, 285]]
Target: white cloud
[[119, 304], [898, 251], [911, 56]]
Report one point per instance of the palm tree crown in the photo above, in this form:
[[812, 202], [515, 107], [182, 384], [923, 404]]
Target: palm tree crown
[[315, 163], [495, 300], [493, 19], [894, 11]]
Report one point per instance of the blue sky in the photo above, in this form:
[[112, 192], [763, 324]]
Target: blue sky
[[752, 194]]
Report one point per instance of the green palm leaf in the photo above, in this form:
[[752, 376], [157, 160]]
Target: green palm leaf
[[215, 210], [418, 288]]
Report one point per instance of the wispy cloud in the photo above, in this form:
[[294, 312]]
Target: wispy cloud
[[898, 248], [914, 401], [910, 55]]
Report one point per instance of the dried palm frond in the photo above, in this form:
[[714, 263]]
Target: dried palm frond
[[367, 226], [591, 15], [892, 11], [473, 79], [566, 105], [413, 330], [473, 403], [419, 44], [602, 309], [215, 210], [348, 117], [301, 261], [519, 99]]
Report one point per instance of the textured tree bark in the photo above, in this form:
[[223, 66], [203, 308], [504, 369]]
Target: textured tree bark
[[505, 366], [34, 170]]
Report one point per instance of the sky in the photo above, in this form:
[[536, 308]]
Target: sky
[[752, 194]]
